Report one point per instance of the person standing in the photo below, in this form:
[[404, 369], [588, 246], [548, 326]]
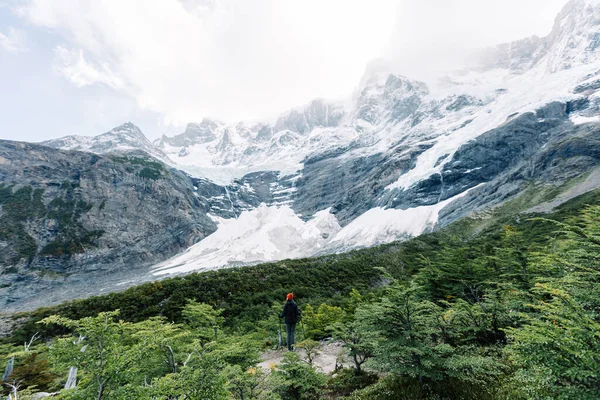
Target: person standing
[[292, 315]]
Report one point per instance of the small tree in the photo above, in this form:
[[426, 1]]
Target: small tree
[[295, 379], [410, 342], [163, 342], [558, 350], [200, 378], [250, 384], [356, 299], [204, 319], [360, 347], [239, 350], [317, 321], [311, 348], [34, 371], [105, 354]]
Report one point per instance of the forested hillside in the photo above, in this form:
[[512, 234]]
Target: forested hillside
[[497, 307]]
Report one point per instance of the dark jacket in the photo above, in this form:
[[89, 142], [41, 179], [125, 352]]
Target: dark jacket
[[290, 312]]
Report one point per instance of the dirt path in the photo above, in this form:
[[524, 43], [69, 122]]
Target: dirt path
[[326, 361]]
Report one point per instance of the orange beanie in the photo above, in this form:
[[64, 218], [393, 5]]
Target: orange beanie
[[290, 296]]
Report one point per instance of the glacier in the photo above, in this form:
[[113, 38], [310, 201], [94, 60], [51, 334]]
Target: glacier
[[271, 233], [266, 233]]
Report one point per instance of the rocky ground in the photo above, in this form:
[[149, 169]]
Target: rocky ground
[[331, 354]]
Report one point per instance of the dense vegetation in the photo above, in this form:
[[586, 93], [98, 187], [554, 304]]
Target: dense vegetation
[[502, 310], [149, 169]]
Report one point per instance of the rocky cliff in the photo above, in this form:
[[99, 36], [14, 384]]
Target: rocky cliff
[[69, 216]]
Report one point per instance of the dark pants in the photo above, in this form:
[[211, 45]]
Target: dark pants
[[290, 331]]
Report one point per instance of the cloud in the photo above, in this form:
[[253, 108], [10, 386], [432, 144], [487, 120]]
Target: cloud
[[72, 65], [237, 59], [13, 41], [229, 59], [436, 35]]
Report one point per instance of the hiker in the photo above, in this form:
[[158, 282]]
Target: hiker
[[292, 315]]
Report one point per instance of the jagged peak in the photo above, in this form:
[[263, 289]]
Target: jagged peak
[[384, 85], [574, 40], [127, 126], [318, 112], [380, 75], [577, 15], [128, 129], [376, 73], [400, 82], [575, 36], [201, 128]]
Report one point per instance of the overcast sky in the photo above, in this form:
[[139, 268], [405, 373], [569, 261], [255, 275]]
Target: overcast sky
[[85, 66]]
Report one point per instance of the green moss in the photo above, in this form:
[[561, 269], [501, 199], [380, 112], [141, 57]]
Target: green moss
[[149, 173], [150, 169], [11, 270], [53, 274], [18, 207], [68, 245], [72, 237], [26, 204], [138, 161], [66, 212], [22, 205], [6, 193], [38, 208]]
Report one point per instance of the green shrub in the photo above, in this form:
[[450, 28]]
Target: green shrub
[[149, 173]]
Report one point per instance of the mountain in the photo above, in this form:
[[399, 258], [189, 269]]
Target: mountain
[[573, 41], [399, 158], [126, 137], [75, 222]]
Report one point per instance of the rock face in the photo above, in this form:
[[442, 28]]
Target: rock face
[[398, 158], [194, 134], [317, 114], [75, 216], [394, 99], [542, 146]]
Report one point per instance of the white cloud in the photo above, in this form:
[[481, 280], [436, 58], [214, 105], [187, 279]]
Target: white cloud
[[13, 41], [72, 65], [233, 59], [434, 35], [225, 58]]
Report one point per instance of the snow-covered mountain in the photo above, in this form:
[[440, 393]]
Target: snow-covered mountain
[[123, 138], [222, 152], [399, 158], [573, 41]]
